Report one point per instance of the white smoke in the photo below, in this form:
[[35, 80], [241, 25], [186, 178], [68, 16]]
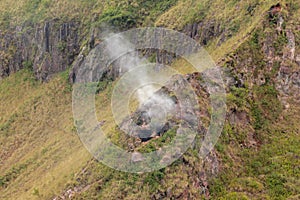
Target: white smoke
[[127, 58]]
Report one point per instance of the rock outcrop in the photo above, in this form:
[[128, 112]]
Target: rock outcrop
[[47, 48], [203, 32]]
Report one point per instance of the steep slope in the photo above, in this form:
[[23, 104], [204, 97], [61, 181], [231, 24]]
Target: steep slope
[[257, 45], [48, 35], [40, 151]]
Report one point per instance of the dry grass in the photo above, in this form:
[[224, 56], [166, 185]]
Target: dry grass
[[40, 151], [229, 13]]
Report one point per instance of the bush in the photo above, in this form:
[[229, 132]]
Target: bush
[[125, 16], [119, 17], [276, 186], [28, 64], [268, 101], [153, 179], [238, 97], [257, 116]]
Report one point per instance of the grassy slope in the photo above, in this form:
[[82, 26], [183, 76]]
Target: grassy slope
[[121, 13], [49, 155], [232, 15], [39, 148], [270, 172], [43, 155]]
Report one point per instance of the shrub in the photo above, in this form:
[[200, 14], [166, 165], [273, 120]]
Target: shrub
[[153, 179], [238, 97], [28, 64], [257, 116], [119, 17], [276, 186]]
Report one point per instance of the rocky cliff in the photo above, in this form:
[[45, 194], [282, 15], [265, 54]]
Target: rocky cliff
[[46, 48]]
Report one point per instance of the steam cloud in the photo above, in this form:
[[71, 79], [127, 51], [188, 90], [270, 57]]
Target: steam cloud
[[132, 60], [160, 105]]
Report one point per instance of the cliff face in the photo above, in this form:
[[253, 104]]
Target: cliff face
[[48, 35], [46, 48]]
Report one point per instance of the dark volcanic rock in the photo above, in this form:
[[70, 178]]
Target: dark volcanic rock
[[46, 48], [203, 32]]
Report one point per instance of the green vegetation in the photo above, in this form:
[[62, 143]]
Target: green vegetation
[[137, 13], [12, 174], [123, 14], [155, 144], [238, 98], [267, 100], [258, 152], [270, 172]]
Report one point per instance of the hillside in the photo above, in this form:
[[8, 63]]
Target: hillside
[[43, 43]]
